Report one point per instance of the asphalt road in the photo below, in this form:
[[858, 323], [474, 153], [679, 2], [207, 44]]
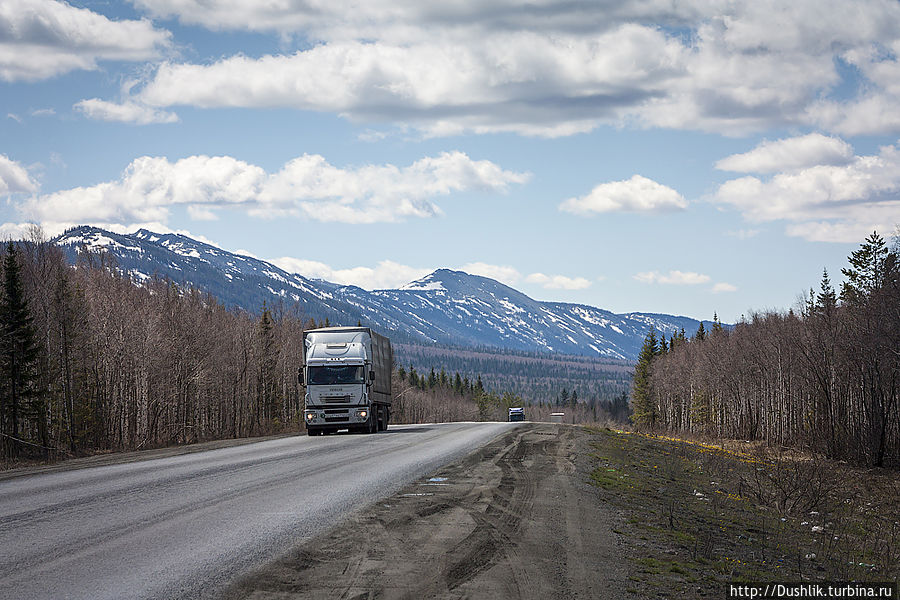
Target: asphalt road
[[186, 526]]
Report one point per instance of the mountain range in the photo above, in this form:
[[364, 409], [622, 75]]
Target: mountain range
[[445, 307]]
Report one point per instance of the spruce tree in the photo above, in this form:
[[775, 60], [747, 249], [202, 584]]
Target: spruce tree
[[867, 271], [645, 414], [701, 333], [19, 351], [826, 300]]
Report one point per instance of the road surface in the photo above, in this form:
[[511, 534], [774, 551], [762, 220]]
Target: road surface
[[189, 525], [514, 520]]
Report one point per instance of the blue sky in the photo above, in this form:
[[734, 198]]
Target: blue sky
[[687, 158]]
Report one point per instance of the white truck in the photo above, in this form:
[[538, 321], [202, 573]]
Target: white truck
[[347, 372]]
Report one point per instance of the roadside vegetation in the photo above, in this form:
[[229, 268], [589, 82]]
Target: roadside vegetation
[[824, 379], [698, 515]]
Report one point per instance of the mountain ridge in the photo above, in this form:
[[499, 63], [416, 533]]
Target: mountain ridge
[[443, 307]]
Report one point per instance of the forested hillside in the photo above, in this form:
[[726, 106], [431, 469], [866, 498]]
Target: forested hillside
[[825, 377], [537, 378]]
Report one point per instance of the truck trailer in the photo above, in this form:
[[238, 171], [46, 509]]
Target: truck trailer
[[347, 372]]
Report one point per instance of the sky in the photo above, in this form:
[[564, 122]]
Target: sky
[[692, 158]]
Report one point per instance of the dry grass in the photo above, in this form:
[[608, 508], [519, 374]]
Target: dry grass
[[737, 511]]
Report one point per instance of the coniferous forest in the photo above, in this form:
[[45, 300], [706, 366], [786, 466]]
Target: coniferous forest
[[824, 377]]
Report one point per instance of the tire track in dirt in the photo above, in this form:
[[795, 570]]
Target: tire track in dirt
[[514, 519]]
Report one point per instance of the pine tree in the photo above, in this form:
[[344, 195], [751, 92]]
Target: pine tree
[[826, 300], [717, 325], [19, 352], [868, 269], [701, 333], [267, 390], [645, 413]]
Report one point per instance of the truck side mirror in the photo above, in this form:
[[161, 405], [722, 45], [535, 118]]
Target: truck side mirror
[[371, 375], [300, 375]]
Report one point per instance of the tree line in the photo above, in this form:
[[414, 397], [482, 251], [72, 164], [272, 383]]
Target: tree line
[[91, 360], [94, 360], [824, 377]]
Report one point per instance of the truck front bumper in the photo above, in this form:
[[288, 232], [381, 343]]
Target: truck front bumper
[[332, 416]]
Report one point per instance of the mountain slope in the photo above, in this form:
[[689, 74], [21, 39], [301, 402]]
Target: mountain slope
[[446, 307]]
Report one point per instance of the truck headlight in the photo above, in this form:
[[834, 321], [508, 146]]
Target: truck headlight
[[310, 416], [362, 413]]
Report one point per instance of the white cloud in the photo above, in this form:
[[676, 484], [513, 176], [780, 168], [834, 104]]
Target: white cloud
[[558, 282], [43, 112], [722, 288], [307, 186], [848, 232], [502, 273], [387, 274], [14, 178], [551, 67], [826, 202], [637, 194], [672, 277], [790, 154], [44, 38], [14, 231], [127, 112], [201, 213]]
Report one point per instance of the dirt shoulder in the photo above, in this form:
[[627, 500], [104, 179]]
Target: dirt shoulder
[[515, 519]]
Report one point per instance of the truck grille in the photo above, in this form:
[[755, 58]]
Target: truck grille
[[345, 399]]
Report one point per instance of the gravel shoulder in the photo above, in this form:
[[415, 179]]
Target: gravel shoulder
[[514, 519]]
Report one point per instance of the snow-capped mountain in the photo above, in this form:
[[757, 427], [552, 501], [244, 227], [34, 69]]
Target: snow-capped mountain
[[447, 307]]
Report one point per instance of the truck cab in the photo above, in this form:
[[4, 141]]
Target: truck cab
[[347, 372]]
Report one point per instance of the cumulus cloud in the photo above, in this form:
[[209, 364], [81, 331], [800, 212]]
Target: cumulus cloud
[[824, 202], [790, 154], [387, 274], [14, 178], [637, 194], [514, 81], [550, 68], [40, 39], [126, 112], [672, 277], [558, 282], [722, 288], [502, 273], [307, 186]]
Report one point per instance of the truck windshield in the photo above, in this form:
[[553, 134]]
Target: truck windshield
[[336, 374]]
